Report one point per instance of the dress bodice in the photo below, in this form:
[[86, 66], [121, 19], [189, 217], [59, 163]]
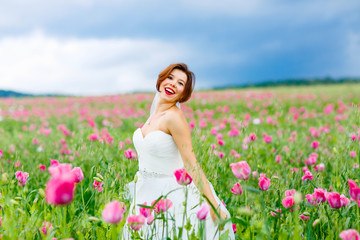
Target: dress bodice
[[157, 152]]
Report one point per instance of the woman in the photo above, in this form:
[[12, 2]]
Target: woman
[[164, 145]]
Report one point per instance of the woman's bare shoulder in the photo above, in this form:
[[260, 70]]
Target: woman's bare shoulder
[[175, 117]]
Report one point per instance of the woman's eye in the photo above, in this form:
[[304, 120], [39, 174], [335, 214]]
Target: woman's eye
[[169, 77], [181, 83]]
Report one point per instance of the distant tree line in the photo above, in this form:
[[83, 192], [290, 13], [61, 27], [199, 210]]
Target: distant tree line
[[270, 83], [9, 93], [294, 82]]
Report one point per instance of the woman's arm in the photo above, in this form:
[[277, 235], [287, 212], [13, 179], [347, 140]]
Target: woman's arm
[[179, 129]]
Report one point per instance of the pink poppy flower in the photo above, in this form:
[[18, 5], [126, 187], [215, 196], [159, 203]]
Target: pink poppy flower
[[213, 131], [91, 122], [264, 182], [129, 154], [93, 137], [221, 142], [234, 227], [182, 177], [61, 170], [328, 109], [22, 177], [202, 124], [354, 190], [319, 194], [312, 199], [60, 190], [146, 212], [350, 234], [203, 211], [162, 205], [320, 167], [288, 202], [54, 162], [307, 175], [252, 136], [233, 132], [42, 167], [315, 144], [278, 158], [98, 185], [1, 153], [121, 145], [236, 189], [268, 139], [353, 136], [305, 169], [289, 193], [304, 217], [352, 154], [277, 213], [150, 219], [241, 170], [344, 200], [78, 174], [136, 222], [114, 212], [333, 199], [311, 160], [46, 227]]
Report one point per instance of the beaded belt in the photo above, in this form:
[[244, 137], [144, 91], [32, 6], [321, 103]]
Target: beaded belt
[[147, 174]]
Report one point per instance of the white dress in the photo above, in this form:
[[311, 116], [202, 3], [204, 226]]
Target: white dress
[[159, 157]]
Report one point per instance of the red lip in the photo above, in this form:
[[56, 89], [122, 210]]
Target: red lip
[[168, 92]]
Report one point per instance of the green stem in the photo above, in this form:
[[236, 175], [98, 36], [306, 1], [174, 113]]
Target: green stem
[[133, 209], [64, 220], [163, 228], [183, 222], [58, 215], [82, 196], [113, 230], [327, 214]]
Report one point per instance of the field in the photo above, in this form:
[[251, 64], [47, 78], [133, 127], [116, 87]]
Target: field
[[303, 138]]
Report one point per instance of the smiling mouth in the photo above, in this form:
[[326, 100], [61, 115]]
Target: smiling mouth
[[169, 91]]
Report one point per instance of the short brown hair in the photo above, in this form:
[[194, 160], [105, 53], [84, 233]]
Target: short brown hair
[[190, 83]]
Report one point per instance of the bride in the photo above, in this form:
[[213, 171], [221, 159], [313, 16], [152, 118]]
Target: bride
[[164, 145]]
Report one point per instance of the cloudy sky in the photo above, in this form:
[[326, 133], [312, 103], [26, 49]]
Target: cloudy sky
[[89, 47]]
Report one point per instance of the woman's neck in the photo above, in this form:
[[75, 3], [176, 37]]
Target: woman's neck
[[163, 106]]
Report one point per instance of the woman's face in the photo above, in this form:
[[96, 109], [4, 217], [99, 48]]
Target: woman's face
[[173, 86]]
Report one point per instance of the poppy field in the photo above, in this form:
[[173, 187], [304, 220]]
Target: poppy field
[[284, 161]]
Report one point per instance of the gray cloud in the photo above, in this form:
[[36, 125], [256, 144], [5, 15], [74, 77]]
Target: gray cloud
[[41, 64], [105, 43]]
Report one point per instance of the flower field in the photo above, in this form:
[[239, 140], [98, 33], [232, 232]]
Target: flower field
[[285, 162]]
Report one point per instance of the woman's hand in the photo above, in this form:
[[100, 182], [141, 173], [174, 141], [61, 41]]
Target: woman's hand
[[215, 218]]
